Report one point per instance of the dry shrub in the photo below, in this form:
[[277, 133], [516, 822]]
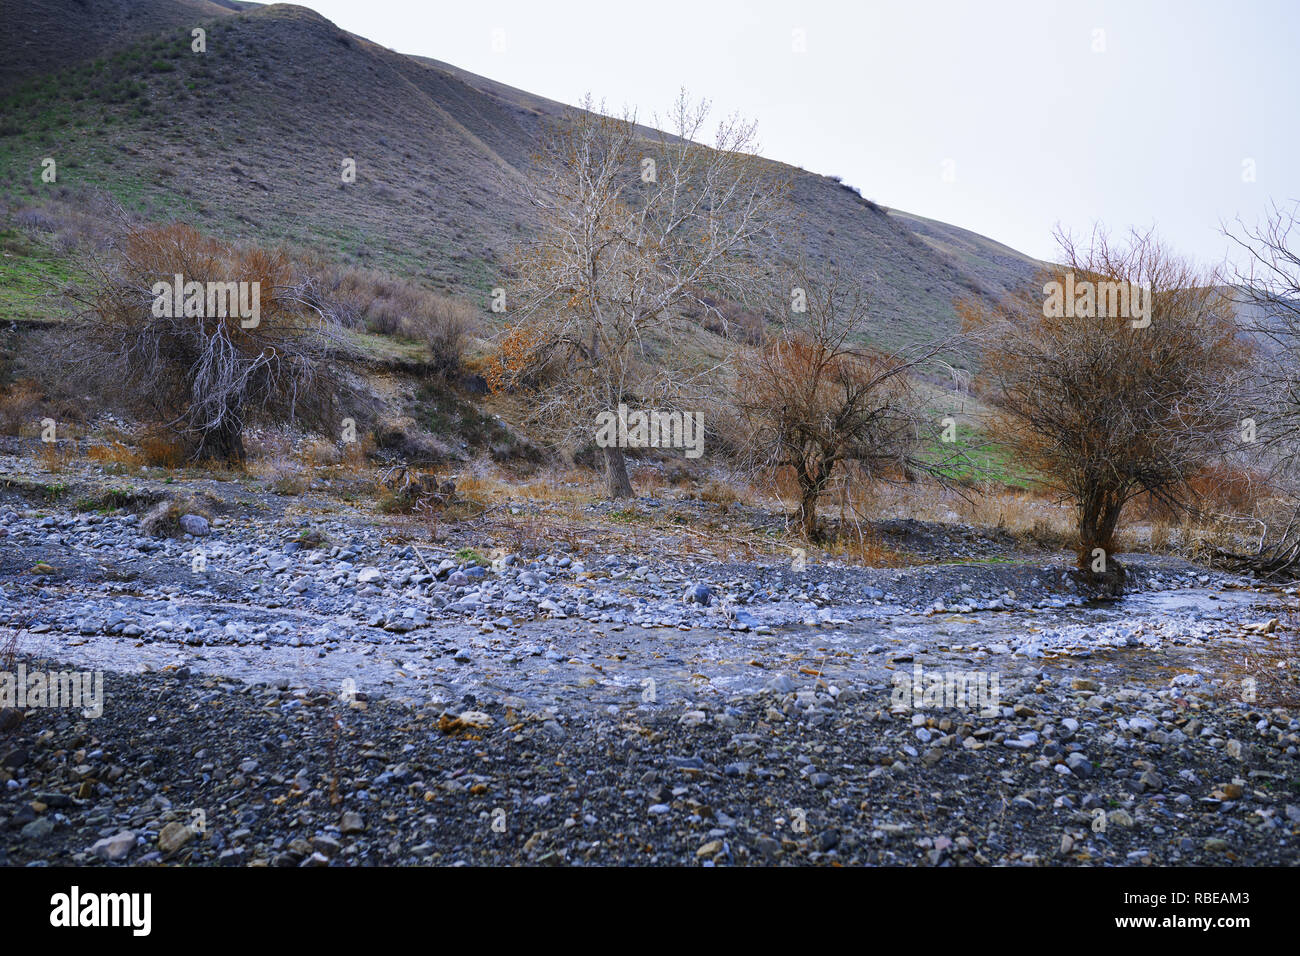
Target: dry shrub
[[1046, 534], [215, 369], [285, 476], [735, 323], [718, 493], [163, 449], [317, 453], [356, 455], [571, 486], [650, 480], [859, 543], [164, 518], [523, 534], [444, 327], [678, 473], [389, 305], [401, 490], [19, 405], [63, 226], [1161, 536], [402, 439], [521, 361], [115, 456], [477, 486], [55, 456], [1215, 489], [367, 298]]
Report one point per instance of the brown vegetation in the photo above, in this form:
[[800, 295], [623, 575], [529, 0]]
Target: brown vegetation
[[203, 376], [814, 401], [1103, 406]]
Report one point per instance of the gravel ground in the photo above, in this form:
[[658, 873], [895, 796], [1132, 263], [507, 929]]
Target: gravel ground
[[318, 692], [205, 771]]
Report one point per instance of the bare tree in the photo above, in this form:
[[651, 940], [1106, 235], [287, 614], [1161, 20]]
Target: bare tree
[[199, 369], [637, 227], [1266, 289], [815, 399], [1124, 376]]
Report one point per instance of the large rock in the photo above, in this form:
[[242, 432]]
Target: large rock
[[196, 525], [698, 594]]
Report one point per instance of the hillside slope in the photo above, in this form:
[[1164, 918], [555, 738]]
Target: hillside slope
[[249, 139], [44, 36]]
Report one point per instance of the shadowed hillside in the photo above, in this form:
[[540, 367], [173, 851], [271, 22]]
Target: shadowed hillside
[[248, 140], [44, 36]]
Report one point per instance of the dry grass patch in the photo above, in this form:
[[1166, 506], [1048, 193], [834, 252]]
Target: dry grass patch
[[19, 406], [55, 456], [115, 457]]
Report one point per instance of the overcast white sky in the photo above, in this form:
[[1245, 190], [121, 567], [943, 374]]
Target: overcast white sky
[[1032, 124]]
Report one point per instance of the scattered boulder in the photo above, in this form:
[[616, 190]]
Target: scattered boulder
[[116, 848], [698, 594], [196, 525]]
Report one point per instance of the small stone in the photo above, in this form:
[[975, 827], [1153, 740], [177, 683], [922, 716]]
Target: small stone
[[1150, 780], [38, 829], [352, 823], [174, 836], [116, 848], [327, 845]]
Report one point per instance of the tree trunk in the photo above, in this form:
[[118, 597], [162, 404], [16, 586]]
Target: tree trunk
[[1099, 512], [225, 443], [811, 484], [807, 515], [617, 483]]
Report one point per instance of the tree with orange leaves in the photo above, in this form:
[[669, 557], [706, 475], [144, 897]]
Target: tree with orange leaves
[[818, 402], [1123, 376]]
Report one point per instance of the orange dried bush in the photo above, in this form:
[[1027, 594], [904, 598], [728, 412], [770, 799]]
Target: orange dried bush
[[203, 376], [19, 405], [1106, 407]]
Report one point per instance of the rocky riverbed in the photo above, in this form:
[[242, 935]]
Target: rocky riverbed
[[188, 769], [311, 691]]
